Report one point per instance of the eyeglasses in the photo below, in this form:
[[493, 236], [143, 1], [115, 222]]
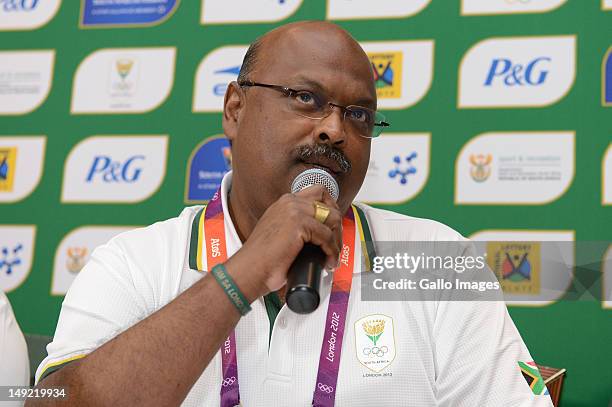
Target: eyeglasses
[[361, 120]]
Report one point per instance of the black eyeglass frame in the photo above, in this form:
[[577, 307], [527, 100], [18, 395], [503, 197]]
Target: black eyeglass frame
[[288, 92]]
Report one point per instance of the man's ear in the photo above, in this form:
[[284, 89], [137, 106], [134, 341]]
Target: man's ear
[[232, 105]]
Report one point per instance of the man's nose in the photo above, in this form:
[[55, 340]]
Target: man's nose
[[331, 128]]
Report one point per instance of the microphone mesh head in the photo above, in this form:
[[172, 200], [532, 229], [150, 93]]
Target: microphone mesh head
[[316, 176]]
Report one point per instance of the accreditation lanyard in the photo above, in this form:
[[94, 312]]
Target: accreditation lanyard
[[329, 360]]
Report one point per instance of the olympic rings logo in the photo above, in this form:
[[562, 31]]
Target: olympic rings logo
[[325, 388], [376, 351], [229, 381]]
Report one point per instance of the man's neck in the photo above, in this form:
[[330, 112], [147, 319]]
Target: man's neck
[[243, 214]]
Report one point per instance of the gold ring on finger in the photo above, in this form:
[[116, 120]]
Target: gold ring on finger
[[321, 211]]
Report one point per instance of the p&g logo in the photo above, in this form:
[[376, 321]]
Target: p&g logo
[[106, 170], [115, 169], [504, 70], [517, 72]]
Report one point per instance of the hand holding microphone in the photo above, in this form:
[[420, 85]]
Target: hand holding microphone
[[288, 240], [304, 278]]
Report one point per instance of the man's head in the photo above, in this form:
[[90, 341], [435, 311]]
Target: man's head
[[274, 136]]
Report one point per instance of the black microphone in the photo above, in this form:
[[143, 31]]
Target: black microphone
[[304, 277]]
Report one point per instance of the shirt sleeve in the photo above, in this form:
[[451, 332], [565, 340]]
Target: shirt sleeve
[[14, 361], [104, 300], [481, 359]]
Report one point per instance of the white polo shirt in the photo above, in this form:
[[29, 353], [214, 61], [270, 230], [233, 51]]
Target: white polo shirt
[[14, 361], [443, 353]]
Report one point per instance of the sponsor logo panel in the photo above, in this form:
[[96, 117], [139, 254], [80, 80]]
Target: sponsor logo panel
[[367, 9], [479, 7], [252, 11], [375, 341], [403, 71], [398, 168], [16, 255], [517, 72], [209, 162], [95, 13], [74, 252], [21, 163], [515, 168], [531, 271], [606, 177], [220, 67], [26, 14], [123, 80], [516, 265], [114, 169], [25, 80]]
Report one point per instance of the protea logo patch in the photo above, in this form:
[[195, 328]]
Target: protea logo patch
[[375, 341]]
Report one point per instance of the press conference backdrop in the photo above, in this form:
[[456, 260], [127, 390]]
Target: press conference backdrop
[[501, 128]]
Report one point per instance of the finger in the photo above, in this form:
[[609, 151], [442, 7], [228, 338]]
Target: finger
[[322, 236], [333, 220], [317, 193]]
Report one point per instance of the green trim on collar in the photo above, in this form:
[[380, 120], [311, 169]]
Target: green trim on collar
[[367, 235], [273, 307], [54, 369], [193, 241]]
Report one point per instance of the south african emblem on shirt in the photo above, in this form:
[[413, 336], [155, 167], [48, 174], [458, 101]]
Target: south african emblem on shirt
[[375, 341]]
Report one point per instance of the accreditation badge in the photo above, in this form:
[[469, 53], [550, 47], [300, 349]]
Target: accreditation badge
[[375, 341]]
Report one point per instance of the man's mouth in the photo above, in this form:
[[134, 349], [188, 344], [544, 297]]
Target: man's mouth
[[326, 165]]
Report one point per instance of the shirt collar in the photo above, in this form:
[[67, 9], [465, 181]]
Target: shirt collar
[[232, 239]]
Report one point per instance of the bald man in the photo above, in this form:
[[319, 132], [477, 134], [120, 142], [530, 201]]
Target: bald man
[[190, 311]]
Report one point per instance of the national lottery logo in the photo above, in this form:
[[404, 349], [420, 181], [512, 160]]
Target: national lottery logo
[[402, 70], [516, 265], [21, 163], [387, 69], [8, 157]]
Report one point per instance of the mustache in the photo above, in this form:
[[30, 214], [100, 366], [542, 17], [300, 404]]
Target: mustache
[[307, 152]]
